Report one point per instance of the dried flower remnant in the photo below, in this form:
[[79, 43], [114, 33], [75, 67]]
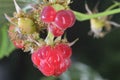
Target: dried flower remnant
[[100, 26]]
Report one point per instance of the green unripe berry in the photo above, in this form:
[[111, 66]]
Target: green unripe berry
[[26, 25]]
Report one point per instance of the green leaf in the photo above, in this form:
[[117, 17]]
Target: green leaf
[[6, 47]]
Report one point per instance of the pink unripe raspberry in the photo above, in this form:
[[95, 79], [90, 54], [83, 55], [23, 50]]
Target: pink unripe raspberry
[[18, 43]]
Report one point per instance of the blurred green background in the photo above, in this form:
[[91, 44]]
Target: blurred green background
[[92, 59]]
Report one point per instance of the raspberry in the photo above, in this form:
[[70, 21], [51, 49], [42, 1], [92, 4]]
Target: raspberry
[[62, 67], [55, 57], [55, 30], [66, 50], [26, 25], [64, 19], [48, 14], [18, 43], [44, 52], [11, 29], [35, 58], [52, 60], [46, 68]]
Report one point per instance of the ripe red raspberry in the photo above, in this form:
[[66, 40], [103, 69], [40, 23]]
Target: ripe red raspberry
[[44, 52], [52, 60], [66, 50], [35, 57], [48, 14], [55, 57], [62, 67], [46, 68], [41, 59], [55, 30], [64, 19]]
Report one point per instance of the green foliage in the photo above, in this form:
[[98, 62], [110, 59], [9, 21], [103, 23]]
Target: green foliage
[[31, 1], [7, 6], [6, 47]]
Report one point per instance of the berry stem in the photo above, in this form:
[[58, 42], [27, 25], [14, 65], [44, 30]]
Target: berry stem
[[116, 4], [84, 17], [49, 38]]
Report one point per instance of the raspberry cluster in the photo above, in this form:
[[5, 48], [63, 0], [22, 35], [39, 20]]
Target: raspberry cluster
[[58, 21], [51, 54], [52, 60]]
